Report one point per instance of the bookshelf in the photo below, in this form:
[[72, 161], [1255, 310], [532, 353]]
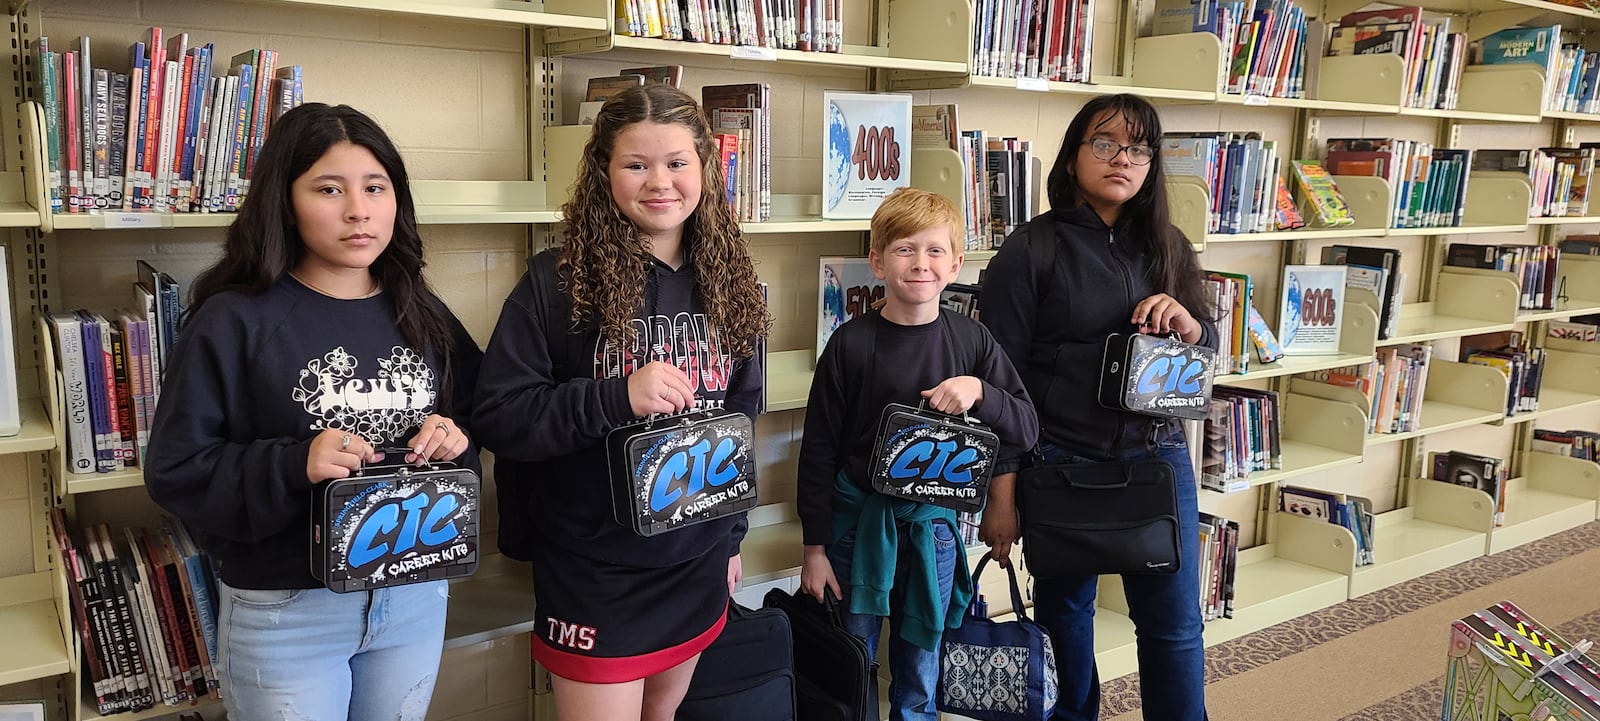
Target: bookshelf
[[924, 46], [35, 646]]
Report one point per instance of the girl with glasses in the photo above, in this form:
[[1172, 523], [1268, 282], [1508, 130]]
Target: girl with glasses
[[1118, 265]]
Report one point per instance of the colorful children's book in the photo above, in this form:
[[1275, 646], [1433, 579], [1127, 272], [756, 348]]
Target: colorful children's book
[[1321, 194], [1266, 344]]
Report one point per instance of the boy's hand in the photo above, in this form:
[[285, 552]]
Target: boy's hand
[[955, 395], [659, 388], [735, 572], [1000, 527], [816, 574]]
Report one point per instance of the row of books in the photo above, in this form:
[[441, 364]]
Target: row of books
[[805, 25], [1511, 353], [1575, 443], [1485, 473], [1539, 46], [1242, 435], [1232, 296], [111, 371], [1046, 39], [1392, 383], [1430, 184], [741, 116], [1375, 270], [1263, 41], [1433, 56], [144, 602], [167, 135], [1560, 176], [1536, 267], [1219, 565], [1242, 173], [1343, 509]]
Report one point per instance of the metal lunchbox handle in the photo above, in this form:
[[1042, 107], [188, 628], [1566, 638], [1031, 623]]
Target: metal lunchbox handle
[[403, 470], [684, 418], [922, 405]]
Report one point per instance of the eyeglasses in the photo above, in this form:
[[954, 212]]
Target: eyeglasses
[[1107, 150]]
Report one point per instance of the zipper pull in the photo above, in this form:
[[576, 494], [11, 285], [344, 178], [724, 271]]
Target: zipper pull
[[1112, 236]]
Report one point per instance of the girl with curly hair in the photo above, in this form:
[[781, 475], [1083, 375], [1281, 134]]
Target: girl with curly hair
[[650, 306], [312, 343]]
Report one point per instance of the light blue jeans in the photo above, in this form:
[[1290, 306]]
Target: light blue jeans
[[316, 655], [913, 672]]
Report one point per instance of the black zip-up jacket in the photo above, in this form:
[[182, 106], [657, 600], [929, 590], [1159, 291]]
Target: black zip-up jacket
[[548, 397], [1098, 278]]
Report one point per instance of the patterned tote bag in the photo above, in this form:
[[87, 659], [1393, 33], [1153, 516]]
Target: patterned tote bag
[[997, 671]]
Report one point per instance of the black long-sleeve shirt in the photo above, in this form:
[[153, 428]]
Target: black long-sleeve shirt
[[853, 384], [547, 397], [252, 380], [1097, 279]]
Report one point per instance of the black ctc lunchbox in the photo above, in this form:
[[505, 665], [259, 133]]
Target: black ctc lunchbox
[[672, 471], [393, 525], [1156, 375], [930, 457]]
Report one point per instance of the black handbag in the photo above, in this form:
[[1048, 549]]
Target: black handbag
[[1082, 519], [668, 472], [1156, 375], [396, 524], [930, 457], [832, 669], [747, 673]]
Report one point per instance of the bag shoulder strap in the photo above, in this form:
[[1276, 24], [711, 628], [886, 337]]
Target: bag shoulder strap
[[1042, 252], [557, 316]]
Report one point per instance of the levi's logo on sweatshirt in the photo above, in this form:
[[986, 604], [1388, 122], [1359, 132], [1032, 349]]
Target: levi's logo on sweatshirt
[[685, 340], [376, 403]]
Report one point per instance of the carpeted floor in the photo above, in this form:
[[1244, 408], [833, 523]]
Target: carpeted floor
[[1381, 657]]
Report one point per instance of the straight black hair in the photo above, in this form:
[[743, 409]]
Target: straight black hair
[[263, 243], [1146, 217]]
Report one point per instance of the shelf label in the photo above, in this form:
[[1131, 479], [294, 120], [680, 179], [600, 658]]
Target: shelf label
[[1036, 84], [119, 221], [753, 52], [1258, 100]]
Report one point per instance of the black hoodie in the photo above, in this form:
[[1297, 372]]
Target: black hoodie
[[1098, 278], [548, 397]]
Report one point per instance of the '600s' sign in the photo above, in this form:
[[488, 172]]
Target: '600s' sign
[[387, 531], [933, 458], [682, 472]]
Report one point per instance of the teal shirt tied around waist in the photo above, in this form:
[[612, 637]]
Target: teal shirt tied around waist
[[872, 570]]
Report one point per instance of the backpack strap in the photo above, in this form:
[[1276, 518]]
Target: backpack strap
[[1042, 252], [557, 317]]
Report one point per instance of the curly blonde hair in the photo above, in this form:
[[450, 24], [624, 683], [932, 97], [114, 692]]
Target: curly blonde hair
[[605, 260]]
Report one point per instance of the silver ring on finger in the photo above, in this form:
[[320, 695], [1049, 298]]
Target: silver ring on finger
[[443, 427], [344, 442]]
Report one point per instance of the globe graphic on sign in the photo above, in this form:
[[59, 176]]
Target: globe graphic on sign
[[1291, 310], [836, 162]]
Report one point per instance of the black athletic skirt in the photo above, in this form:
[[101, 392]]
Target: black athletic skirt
[[599, 623]]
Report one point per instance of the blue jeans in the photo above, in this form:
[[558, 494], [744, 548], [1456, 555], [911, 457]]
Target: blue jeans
[[323, 656], [913, 672], [1165, 611]]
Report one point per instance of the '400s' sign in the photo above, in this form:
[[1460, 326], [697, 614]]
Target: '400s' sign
[[929, 457], [681, 471], [389, 530]]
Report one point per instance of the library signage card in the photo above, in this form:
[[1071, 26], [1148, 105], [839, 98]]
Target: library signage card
[[1312, 303], [866, 151]]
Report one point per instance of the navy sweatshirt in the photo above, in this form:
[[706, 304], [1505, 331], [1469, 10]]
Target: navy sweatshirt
[[548, 396], [1099, 276], [851, 388], [252, 380]]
